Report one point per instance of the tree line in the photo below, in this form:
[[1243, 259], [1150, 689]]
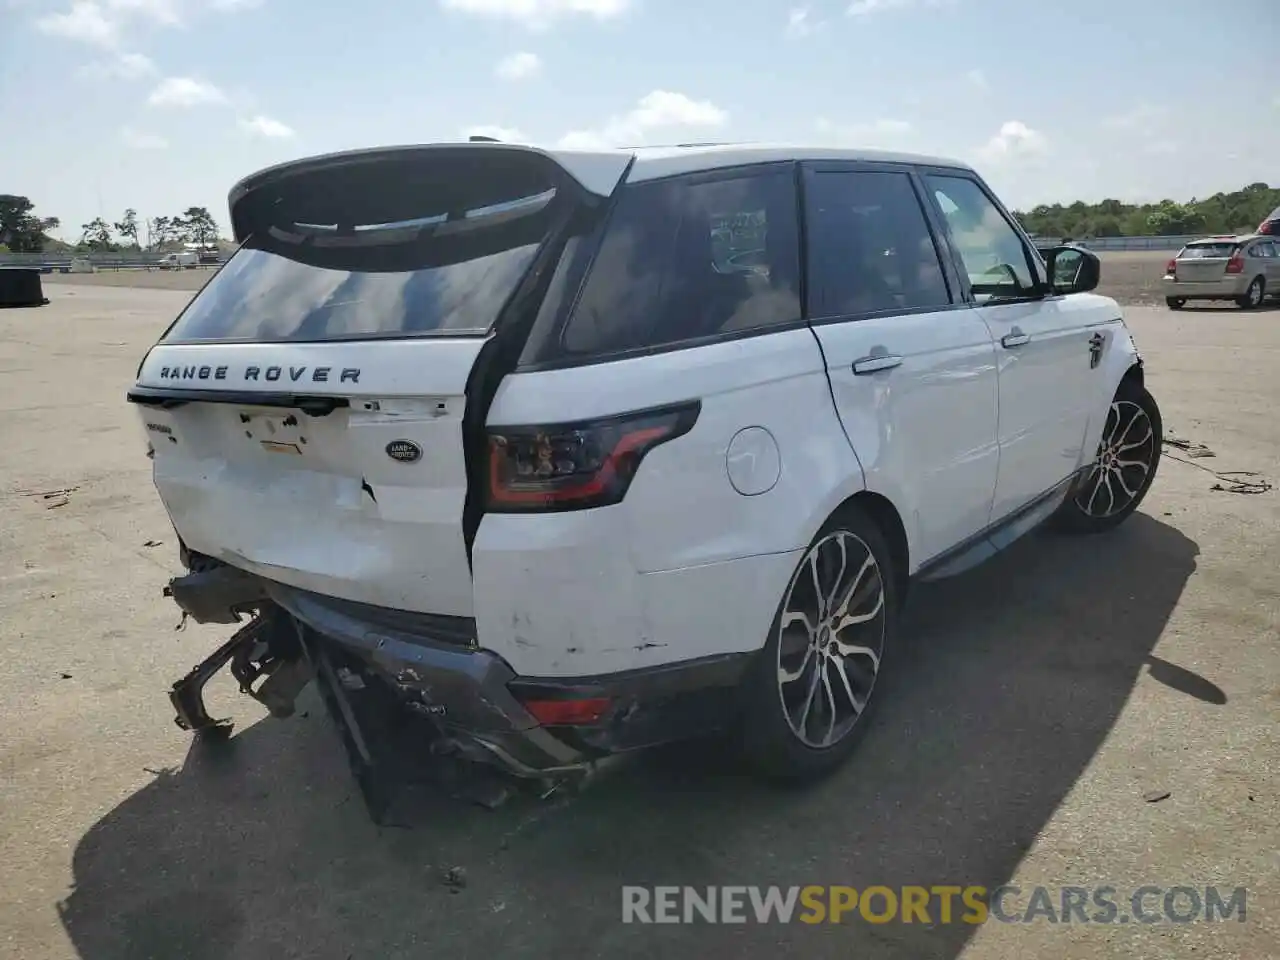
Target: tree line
[[1238, 212], [23, 231]]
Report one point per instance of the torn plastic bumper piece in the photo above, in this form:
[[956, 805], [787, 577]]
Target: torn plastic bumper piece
[[217, 594]]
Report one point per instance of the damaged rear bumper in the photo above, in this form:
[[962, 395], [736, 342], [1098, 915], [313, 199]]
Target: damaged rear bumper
[[432, 668]]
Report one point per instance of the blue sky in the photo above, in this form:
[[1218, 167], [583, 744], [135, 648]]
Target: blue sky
[[162, 104]]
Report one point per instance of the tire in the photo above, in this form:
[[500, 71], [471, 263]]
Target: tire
[[1254, 296], [781, 740], [1175, 303], [1082, 511]]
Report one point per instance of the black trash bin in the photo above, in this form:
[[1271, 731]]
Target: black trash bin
[[21, 287]]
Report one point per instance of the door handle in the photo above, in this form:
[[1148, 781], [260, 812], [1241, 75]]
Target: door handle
[[1014, 339], [872, 364]]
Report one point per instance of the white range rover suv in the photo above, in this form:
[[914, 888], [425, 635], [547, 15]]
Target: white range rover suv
[[567, 453]]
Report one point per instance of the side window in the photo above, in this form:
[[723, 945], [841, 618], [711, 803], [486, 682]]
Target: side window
[[994, 255], [685, 260], [870, 249]]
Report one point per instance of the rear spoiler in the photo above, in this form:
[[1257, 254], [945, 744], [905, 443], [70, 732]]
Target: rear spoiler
[[321, 187]]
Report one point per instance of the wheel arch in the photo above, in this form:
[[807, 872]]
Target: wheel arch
[[885, 515], [1134, 376]]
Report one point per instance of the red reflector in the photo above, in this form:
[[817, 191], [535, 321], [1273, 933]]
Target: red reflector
[[1171, 266], [567, 712]]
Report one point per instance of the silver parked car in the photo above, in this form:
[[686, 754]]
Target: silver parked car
[[1245, 269]]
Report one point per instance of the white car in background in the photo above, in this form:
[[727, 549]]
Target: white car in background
[[176, 261], [571, 453]]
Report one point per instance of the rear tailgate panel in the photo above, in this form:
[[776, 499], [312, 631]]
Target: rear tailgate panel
[[309, 408], [319, 502]]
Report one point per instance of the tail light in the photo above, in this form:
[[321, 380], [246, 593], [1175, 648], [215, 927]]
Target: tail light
[[1270, 228], [576, 466], [1171, 268], [567, 712], [1236, 263]]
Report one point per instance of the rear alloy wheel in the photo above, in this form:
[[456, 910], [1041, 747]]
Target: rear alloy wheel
[[1254, 296], [1175, 303], [810, 691], [1124, 468]]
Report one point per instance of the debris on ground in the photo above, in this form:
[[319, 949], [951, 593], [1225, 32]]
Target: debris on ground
[[455, 878], [1155, 796], [1228, 482], [52, 499], [1193, 448], [153, 543], [1242, 486], [64, 676]]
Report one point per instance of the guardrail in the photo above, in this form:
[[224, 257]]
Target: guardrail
[[1103, 244], [61, 262]]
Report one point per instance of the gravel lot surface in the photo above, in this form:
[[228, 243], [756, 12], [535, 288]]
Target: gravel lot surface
[[1090, 712]]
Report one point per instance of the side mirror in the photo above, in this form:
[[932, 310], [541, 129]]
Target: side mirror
[[1072, 269]]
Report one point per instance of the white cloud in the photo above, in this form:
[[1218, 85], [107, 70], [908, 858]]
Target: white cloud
[[1014, 140], [126, 66], [85, 21], [1144, 118], [185, 92], [860, 8], [1161, 148], [505, 134], [267, 127], [518, 66], [658, 110], [539, 13], [800, 23], [883, 134], [977, 79], [138, 140], [164, 12]]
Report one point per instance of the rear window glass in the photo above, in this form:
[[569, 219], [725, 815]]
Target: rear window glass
[[435, 274], [1207, 251], [684, 260]]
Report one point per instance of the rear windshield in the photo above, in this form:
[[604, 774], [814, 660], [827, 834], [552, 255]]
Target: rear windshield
[[1207, 251], [439, 273]]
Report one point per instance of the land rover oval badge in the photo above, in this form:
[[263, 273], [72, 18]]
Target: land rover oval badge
[[406, 451]]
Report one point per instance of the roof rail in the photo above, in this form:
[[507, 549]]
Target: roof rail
[[678, 146]]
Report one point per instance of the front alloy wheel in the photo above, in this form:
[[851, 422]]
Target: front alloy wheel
[[1125, 457], [1118, 479]]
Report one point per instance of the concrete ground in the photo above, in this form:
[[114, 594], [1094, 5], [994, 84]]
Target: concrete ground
[[1097, 712]]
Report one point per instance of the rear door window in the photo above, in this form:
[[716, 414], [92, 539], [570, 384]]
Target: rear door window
[[870, 247], [685, 260], [440, 271]]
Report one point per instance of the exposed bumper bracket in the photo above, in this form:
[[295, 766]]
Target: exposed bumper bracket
[[263, 647]]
